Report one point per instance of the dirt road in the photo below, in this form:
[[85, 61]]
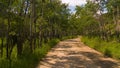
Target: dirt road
[[73, 53]]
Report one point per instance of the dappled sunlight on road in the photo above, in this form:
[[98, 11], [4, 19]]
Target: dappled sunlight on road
[[73, 53]]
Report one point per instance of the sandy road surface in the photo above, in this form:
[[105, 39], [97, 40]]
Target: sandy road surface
[[72, 53]]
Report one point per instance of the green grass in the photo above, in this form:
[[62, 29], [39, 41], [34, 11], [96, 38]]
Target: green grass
[[27, 60], [110, 48]]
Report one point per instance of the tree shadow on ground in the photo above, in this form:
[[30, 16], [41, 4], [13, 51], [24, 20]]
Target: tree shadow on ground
[[77, 59], [81, 60]]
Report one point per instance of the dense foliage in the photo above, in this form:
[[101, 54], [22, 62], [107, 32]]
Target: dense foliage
[[27, 26]]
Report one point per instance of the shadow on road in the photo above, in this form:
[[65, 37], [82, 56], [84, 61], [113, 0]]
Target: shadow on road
[[76, 58]]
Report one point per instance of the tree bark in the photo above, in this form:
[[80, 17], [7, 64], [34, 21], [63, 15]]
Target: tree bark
[[32, 21], [2, 46]]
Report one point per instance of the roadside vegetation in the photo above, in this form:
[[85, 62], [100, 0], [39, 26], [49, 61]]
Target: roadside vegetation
[[27, 59], [108, 48]]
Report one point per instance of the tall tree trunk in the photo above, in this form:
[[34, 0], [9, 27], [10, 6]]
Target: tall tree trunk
[[116, 21], [19, 46], [2, 46], [7, 35], [32, 20], [8, 39]]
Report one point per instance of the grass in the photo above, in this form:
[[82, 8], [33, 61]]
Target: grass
[[27, 60], [110, 48]]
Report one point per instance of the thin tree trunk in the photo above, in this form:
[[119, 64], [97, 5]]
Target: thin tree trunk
[[32, 20], [7, 45], [2, 46], [7, 35]]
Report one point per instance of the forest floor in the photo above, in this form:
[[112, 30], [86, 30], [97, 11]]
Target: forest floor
[[72, 53]]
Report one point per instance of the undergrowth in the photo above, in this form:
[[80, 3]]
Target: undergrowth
[[28, 59], [108, 48]]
